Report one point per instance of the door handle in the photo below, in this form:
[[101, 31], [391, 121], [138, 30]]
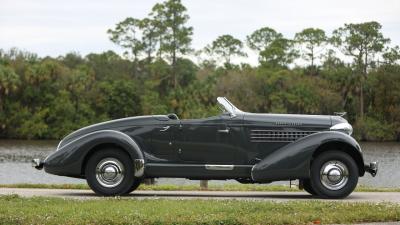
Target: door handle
[[223, 131], [165, 128]]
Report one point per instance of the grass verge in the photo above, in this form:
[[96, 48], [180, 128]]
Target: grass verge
[[225, 187], [40, 210]]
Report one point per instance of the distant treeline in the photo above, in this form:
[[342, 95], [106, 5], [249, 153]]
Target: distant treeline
[[354, 69]]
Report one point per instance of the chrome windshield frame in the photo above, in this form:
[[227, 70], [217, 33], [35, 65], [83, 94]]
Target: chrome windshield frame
[[228, 107]]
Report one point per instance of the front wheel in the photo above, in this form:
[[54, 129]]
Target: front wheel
[[334, 174], [111, 172]]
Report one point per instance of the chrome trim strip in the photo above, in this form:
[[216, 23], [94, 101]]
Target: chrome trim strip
[[139, 167], [219, 167], [59, 144]]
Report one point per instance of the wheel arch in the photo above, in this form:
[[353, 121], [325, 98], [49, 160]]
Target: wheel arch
[[293, 161], [119, 140], [343, 147], [71, 158]]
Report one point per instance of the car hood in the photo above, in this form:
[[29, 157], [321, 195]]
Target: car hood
[[113, 125], [295, 120]]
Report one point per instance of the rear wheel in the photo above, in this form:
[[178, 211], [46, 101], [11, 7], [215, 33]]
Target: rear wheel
[[111, 172], [334, 174], [307, 186]]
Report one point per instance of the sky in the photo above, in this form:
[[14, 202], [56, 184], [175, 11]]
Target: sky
[[53, 27]]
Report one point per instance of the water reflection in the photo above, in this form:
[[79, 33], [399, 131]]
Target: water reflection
[[15, 157]]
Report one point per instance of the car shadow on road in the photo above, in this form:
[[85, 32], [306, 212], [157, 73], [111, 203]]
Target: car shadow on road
[[260, 196]]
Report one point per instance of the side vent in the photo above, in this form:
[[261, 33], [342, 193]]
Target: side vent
[[277, 135]]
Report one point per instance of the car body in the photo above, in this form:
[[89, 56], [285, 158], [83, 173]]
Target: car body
[[247, 147]]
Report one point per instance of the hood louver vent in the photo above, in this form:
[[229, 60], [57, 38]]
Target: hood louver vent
[[277, 136]]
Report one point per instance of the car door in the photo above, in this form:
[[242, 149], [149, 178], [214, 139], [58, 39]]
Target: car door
[[209, 140], [165, 141]]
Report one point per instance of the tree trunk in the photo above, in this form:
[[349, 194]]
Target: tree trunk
[[361, 99], [312, 57], [174, 68], [149, 181], [204, 184], [363, 76]]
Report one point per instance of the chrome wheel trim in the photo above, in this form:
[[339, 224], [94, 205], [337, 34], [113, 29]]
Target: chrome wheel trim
[[334, 175], [110, 172]]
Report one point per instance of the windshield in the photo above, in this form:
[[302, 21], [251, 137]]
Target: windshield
[[227, 107]]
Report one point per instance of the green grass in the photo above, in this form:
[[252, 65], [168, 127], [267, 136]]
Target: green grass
[[40, 210], [224, 187]]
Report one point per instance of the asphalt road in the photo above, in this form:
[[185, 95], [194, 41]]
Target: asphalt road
[[245, 195]]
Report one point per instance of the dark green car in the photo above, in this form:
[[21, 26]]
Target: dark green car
[[115, 156]]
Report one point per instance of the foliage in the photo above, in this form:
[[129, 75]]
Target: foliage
[[262, 38], [312, 39], [362, 42], [375, 130], [50, 97], [226, 47]]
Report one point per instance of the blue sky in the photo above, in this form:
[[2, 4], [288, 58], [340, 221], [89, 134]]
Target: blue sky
[[52, 27]]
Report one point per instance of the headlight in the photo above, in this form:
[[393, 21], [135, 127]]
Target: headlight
[[343, 127]]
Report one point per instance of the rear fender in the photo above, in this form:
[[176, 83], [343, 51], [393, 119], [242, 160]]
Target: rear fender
[[69, 159], [293, 160]]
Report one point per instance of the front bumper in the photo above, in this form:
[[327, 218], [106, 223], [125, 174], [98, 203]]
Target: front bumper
[[372, 168], [37, 164]]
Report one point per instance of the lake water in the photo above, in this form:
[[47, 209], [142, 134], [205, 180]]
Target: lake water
[[15, 166]]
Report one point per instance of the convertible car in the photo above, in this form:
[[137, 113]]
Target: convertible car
[[114, 157]]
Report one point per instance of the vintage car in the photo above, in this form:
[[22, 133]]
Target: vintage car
[[114, 157]]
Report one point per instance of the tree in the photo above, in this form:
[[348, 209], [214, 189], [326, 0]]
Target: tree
[[361, 41], [78, 83], [120, 99], [311, 39], [149, 39], [109, 66], [278, 54], [262, 38], [157, 18], [274, 50], [226, 47], [127, 34], [171, 17], [391, 55], [9, 82], [72, 59]]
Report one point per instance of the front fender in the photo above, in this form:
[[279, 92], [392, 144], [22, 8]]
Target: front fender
[[293, 160], [69, 159]]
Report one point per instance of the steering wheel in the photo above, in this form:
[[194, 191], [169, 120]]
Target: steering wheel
[[173, 116]]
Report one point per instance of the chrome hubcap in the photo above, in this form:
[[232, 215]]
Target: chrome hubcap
[[334, 175], [109, 172]]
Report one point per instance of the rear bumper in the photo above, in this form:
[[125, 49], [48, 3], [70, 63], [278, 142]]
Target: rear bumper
[[372, 168], [37, 164]]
